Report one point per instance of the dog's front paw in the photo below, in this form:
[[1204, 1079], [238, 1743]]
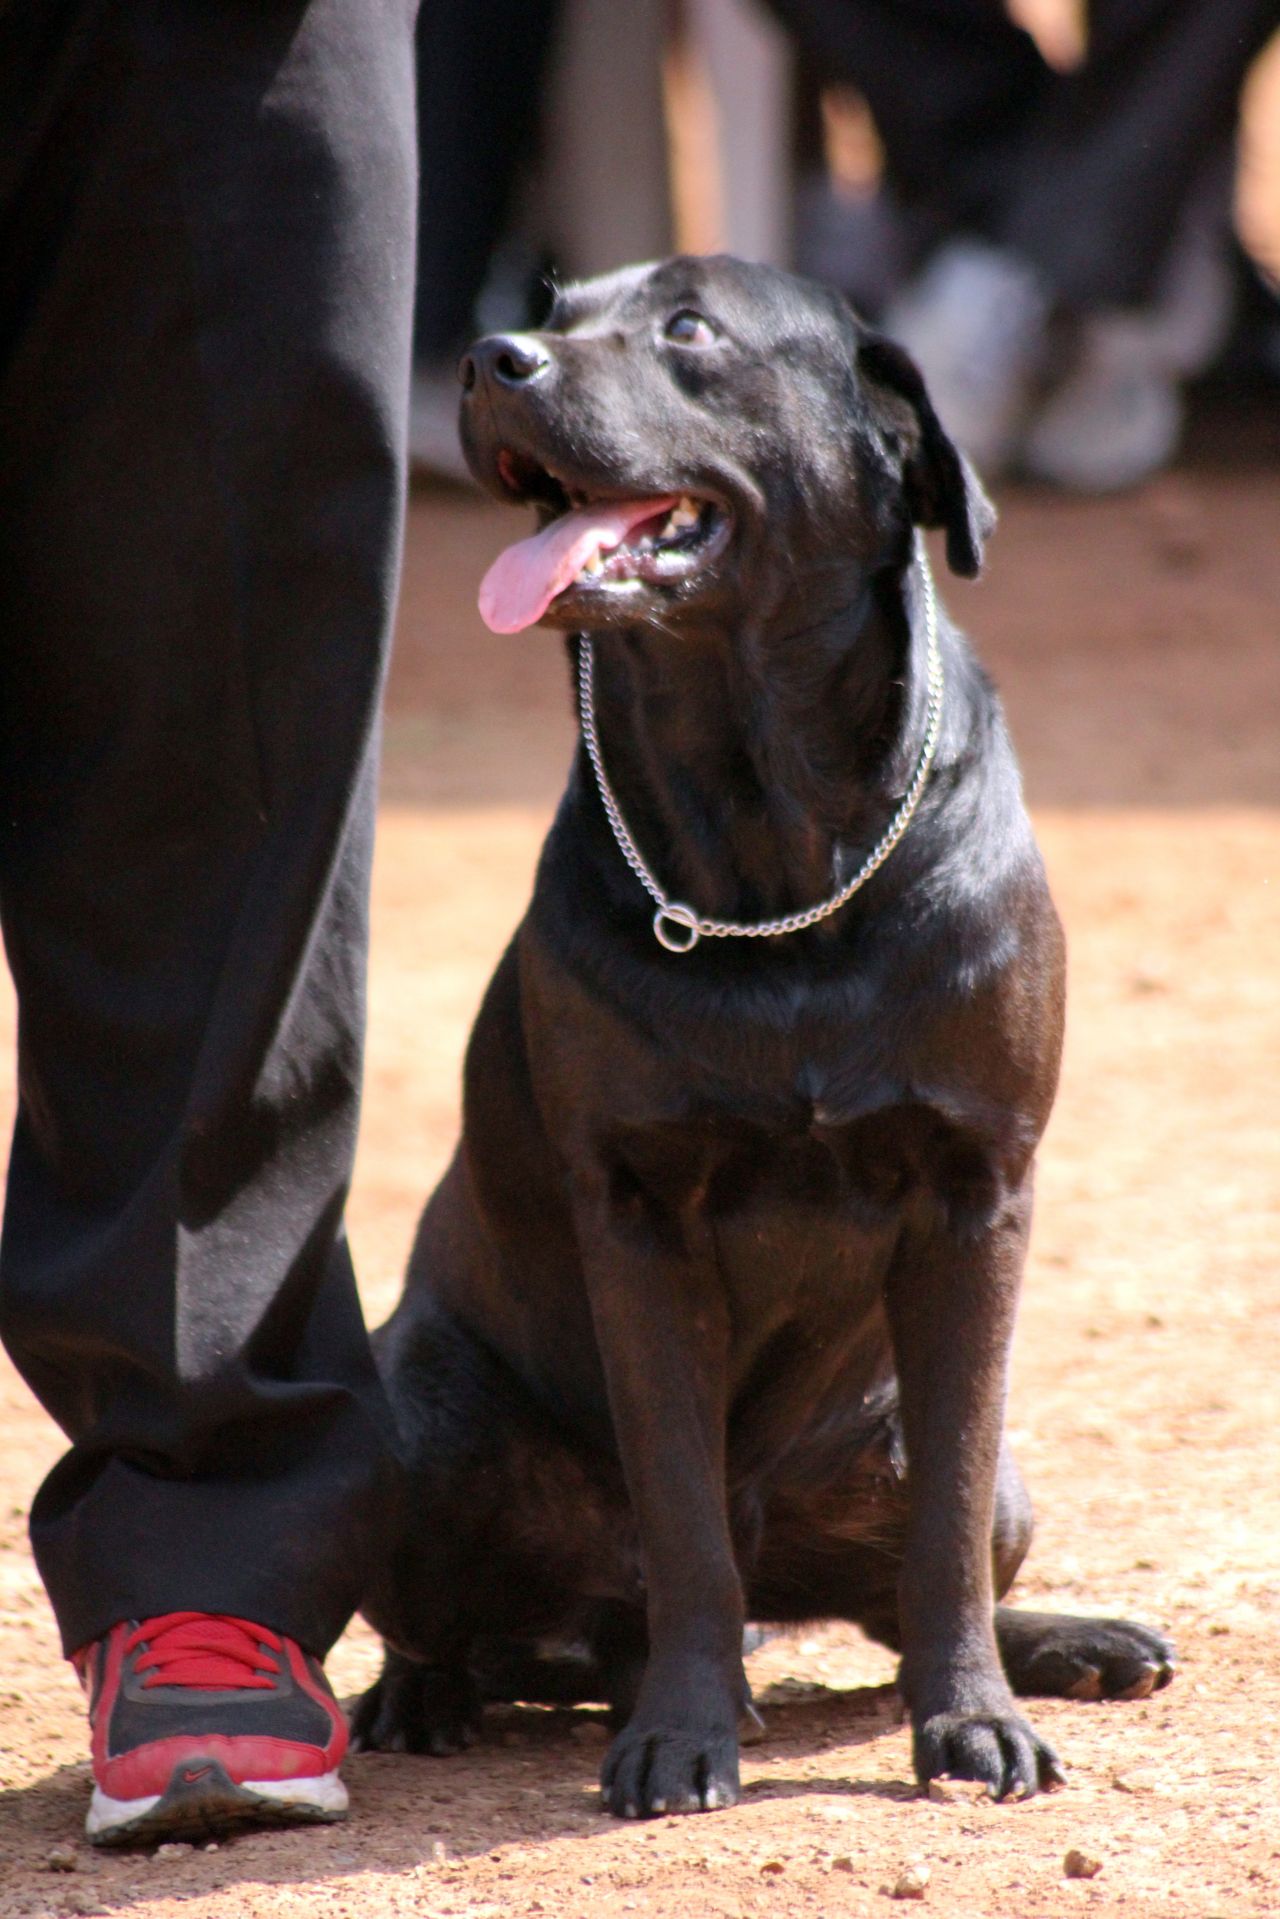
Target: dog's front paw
[[415, 1708], [999, 1749], [1062, 1657], [655, 1769]]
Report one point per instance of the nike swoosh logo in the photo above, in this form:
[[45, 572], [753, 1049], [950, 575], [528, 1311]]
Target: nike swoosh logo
[[192, 1775]]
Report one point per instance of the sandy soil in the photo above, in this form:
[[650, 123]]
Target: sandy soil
[[1137, 646]]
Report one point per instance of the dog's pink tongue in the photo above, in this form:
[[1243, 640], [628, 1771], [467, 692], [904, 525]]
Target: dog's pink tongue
[[523, 580]]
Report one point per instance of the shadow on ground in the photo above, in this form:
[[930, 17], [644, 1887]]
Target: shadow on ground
[[530, 1782]]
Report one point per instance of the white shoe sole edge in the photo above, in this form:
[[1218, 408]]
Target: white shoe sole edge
[[324, 1796]]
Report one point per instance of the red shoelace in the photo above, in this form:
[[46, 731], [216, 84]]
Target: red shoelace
[[211, 1652]]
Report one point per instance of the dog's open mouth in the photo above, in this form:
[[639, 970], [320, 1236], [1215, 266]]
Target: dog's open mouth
[[594, 546]]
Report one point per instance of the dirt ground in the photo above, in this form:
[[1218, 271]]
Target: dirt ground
[[1136, 642]]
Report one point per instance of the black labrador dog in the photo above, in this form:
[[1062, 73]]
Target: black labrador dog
[[709, 1319]]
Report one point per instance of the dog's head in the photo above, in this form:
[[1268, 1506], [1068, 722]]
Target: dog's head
[[701, 438]]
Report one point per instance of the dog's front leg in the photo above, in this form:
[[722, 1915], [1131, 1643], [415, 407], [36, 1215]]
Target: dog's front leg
[[661, 1325], [952, 1296]]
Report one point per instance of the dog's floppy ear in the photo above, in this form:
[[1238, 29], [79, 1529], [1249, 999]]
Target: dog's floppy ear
[[942, 489]]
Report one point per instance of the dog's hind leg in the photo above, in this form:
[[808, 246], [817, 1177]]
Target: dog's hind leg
[[449, 1418], [506, 1536], [1059, 1655], [838, 1555], [436, 1707], [414, 1707]]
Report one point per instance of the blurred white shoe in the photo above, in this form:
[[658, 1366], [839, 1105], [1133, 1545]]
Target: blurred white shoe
[[1116, 415], [976, 322], [1115, 418]]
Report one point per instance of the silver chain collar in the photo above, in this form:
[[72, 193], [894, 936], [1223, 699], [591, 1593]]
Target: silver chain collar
[[672, 914]]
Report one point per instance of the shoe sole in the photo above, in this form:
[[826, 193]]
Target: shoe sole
[[211, 1805]]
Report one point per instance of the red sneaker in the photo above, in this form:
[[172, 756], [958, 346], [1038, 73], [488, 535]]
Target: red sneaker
[[203, 1723]]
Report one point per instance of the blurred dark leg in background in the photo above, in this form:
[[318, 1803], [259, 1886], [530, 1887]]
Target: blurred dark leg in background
[[482, 71], [954, 88]]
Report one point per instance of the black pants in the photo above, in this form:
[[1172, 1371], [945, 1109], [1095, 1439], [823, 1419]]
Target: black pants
[[1085, 174], [206, 228]]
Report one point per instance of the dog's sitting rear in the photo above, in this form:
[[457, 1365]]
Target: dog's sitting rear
[[710, 1317]]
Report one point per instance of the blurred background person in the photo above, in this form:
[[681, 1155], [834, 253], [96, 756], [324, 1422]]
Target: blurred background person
[[1050, 228], [1071, 227]]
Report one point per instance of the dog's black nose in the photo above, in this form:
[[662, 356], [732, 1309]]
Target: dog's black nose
[[512, 359]]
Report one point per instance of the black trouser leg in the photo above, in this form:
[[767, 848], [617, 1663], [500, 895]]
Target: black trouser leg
[[204, 335]]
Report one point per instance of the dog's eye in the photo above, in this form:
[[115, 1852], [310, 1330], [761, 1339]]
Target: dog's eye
[[688, 328]]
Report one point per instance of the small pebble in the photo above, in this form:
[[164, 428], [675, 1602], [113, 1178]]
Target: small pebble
[[1079, 1865], [62, 1859], [773, 1865], [174, 1849], [912, 1882], [842, 1863]]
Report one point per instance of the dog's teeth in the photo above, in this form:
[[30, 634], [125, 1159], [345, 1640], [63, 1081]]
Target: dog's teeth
[[682, 516], [594, 565]]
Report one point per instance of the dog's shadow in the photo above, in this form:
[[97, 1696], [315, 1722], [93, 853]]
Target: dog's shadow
[[803, 1718], [801, 1715], [532, 1779], [533, 1776]]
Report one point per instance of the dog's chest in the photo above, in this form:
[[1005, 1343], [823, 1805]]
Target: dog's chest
[[791, 1183], [802, 1164]]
